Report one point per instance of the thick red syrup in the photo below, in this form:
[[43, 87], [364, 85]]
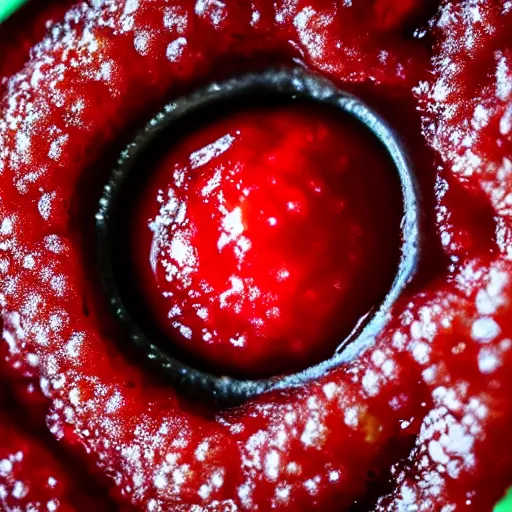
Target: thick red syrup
[[420, 421], [263, 239]]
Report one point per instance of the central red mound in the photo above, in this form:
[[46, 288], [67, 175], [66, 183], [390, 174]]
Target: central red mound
[[262, 239]]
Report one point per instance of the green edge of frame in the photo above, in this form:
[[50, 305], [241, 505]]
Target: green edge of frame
[[8, 7], [505, 504]]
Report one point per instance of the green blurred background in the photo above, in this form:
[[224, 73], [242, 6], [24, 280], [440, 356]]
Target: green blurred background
[[7, 7]]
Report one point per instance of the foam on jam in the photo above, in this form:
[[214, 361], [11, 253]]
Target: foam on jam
[[261, 240], [419, 421]]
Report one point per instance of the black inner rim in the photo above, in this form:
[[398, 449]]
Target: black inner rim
[[274, 85]]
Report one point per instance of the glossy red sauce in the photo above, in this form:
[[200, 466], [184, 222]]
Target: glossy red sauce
[[420, 421], [262, 240]]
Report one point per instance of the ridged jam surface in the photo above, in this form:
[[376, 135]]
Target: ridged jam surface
[[421, 420]]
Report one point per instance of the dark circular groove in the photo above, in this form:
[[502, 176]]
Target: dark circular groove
[[287, 85]]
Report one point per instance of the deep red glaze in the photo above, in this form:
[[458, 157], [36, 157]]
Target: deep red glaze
[[29, 475], [33, 478], [32, 475], [422, 417], [263, 239]]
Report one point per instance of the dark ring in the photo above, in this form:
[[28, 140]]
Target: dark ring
[[285, 83]]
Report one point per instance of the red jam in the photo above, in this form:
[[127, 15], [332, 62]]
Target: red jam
[[262, 240], [420, 421]]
